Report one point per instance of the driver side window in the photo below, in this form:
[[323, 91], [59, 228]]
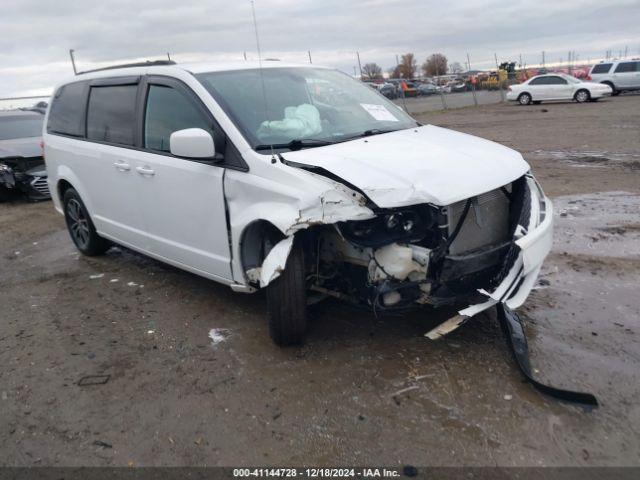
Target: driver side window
[[168, 111]]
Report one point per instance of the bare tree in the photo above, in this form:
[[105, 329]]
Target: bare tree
[[408, 65], [436, 64], [455, 68], [371, 71]]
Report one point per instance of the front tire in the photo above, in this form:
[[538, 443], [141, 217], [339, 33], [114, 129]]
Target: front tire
[[582, 96], [81, 228], [524, 99], [287, 301]]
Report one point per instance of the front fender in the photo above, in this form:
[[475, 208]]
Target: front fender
[[290, 207]]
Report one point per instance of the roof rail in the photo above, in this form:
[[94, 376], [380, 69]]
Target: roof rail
[[148, 63]]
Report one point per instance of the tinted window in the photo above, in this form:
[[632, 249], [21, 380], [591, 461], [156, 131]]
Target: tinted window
[[67, 110], [556, 81], [626, 67], [538, 81], [168, 111], [20, 127], [601, 68], [112, 114]]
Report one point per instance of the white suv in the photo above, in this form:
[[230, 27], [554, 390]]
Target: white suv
[[620, 75], [296, 179]]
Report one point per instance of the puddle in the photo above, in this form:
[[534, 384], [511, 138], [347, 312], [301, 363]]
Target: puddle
[[605, 224], [593, 158]]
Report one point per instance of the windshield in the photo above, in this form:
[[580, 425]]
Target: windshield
[[20, 127], [315, 105]]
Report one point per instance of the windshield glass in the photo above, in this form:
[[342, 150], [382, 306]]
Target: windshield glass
[[20, 127], [317, 105]]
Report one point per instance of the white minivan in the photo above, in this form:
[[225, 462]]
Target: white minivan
[[297, 179]]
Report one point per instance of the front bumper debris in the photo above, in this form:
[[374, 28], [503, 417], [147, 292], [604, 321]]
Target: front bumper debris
[[534, 243], [517, 341]]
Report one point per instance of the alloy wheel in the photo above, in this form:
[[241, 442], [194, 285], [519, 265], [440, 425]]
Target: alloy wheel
[[582, 96], [78, 223]]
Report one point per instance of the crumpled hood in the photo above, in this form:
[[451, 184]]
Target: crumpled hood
[[21, 147], [421, 165]]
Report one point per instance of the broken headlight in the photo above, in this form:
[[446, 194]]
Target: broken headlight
[[411, 224]]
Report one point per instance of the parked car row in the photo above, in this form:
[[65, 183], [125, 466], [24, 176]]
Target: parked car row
[[398, 88]]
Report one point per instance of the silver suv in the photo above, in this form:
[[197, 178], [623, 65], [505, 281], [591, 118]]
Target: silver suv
[[620, 75]]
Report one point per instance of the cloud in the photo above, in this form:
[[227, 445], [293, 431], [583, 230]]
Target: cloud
[[37, 35]]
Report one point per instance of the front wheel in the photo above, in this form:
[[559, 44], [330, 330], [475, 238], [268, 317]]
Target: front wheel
[[524, 99], [582, 96], [287, 301], [80, 226]]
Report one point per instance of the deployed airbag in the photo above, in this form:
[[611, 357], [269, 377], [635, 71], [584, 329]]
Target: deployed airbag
[[299, 122]]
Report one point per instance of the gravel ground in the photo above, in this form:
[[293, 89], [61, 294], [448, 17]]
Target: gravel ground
[[195, 380]]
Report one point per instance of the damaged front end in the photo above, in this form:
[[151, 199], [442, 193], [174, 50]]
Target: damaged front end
[[27, 175], [479, 251]]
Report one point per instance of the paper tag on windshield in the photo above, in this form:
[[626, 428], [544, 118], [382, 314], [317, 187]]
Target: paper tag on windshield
[[379, 112]]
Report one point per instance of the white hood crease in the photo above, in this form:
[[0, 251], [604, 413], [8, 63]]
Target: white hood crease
[[420, 165]]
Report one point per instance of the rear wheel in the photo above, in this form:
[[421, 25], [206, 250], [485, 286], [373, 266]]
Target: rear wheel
[[582, 96], [80, 226], [287, 301], [524, 99]]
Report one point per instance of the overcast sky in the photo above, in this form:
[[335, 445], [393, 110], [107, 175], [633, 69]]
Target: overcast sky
[[36, 35]]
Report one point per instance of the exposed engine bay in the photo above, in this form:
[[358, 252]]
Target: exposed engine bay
[[423, 254]]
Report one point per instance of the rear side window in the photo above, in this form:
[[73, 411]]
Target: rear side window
[[601, 68], [111, 115], [67, 110], [168, 111], [556, 81], [626, 67]]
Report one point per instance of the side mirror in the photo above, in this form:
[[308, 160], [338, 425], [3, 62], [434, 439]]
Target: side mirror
[[192, 143]]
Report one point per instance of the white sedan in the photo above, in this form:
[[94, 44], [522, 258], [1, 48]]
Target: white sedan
[[556, 86]]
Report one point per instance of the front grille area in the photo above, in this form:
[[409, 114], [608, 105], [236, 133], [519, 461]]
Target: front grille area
[[40, 184], [486, 223]]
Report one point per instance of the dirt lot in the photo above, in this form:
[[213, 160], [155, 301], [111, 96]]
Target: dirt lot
[[175, 397]]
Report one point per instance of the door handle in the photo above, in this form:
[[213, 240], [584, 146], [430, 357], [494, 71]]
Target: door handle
[[145, 171], [123, 167]]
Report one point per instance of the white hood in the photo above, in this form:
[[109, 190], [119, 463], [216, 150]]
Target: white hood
[[421, 165]]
